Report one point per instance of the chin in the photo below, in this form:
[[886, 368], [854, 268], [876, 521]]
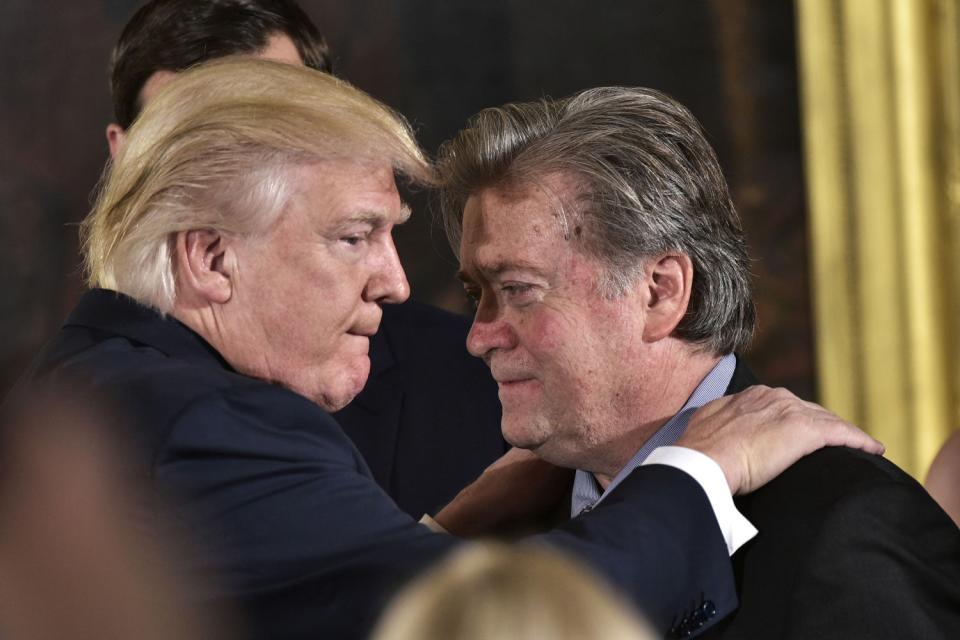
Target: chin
[[332, 404], [334, 399], [518, 432], [347, 387]]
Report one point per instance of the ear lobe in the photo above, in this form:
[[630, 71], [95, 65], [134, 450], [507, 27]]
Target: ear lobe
[[202, 272], [669, 283], [116, 136]]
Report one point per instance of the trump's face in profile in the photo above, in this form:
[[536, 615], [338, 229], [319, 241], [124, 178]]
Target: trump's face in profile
[[306, 295], [555, 343]]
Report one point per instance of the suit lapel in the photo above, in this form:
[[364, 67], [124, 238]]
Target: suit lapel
[[372, 420], [742, 378]]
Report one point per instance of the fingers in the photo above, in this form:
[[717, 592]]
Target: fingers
[[837, 432], [843, 434], [758, 433]]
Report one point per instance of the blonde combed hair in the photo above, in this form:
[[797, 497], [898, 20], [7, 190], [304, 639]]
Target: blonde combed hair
[[213, 151], [509, 593]]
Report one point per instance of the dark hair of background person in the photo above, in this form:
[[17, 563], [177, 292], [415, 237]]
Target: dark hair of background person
[[154, 40]]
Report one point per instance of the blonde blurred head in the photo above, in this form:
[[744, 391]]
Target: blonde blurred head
[[510, 593], [213, 151]]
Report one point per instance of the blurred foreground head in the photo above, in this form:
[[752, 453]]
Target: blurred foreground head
[[75, 561], [254, 202], [494, 591]]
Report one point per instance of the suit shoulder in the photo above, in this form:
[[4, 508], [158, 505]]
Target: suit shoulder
[[854, 526], [121, 367], [262, 419], [153, 394], [830, 476], [850, 467], [838, 487]]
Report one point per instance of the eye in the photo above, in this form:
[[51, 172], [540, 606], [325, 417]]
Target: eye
[[516, 289], [519, 294], [473, 296], [355, 239]]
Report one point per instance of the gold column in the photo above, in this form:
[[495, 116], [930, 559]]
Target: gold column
[[949, 56], [880, 87]]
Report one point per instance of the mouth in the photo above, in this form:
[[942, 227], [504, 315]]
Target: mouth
[[365, 329], [511, 386], [359, 340], [362, 333]]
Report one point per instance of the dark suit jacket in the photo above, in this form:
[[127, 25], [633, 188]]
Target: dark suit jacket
[[428, 420], [284, 511], [849, 547]]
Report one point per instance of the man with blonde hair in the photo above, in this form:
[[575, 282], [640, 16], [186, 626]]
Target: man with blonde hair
[[428, 420], [239, 253]]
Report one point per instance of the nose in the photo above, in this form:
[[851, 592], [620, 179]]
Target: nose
[[489, 331], [388, 283]]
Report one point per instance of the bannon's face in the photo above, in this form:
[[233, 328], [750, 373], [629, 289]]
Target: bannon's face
[[306, 296], [558, 347]]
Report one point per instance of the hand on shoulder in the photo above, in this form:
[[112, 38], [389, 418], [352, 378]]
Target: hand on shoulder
[[756, 434]]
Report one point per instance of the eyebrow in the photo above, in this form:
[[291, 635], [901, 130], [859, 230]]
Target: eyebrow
[[377, 218], [494, 269]]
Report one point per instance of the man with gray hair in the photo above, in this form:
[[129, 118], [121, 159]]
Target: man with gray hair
[[599, 241]]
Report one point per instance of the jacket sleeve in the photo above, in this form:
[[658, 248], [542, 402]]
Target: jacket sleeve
[[656, 539], [885, 564], [300, 535]]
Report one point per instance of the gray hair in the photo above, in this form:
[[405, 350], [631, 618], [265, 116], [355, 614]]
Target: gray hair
[[649, 184]]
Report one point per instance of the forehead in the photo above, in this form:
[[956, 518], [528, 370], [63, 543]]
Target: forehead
[[280, 47], [332, 191], [517, 223]]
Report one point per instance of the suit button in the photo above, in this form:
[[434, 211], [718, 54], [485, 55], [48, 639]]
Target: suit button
[[697, 620], [707, 610]]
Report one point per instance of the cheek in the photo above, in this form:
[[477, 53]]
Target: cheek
[[559, 346], [542, 334]]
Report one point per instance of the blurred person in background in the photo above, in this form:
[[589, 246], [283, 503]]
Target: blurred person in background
[[943, 479], [428, 420], [75, 561], [239, 256], [489, 591]]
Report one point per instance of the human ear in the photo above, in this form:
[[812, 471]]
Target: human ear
[[669, 281], [116, 136], [202, 268]]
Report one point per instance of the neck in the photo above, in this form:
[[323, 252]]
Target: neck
[[204, 322], [667, 388]]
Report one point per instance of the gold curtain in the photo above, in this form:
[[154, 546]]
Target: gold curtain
[[880, 86]]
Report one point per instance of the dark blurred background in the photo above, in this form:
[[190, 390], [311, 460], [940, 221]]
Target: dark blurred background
[[733, 62]]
